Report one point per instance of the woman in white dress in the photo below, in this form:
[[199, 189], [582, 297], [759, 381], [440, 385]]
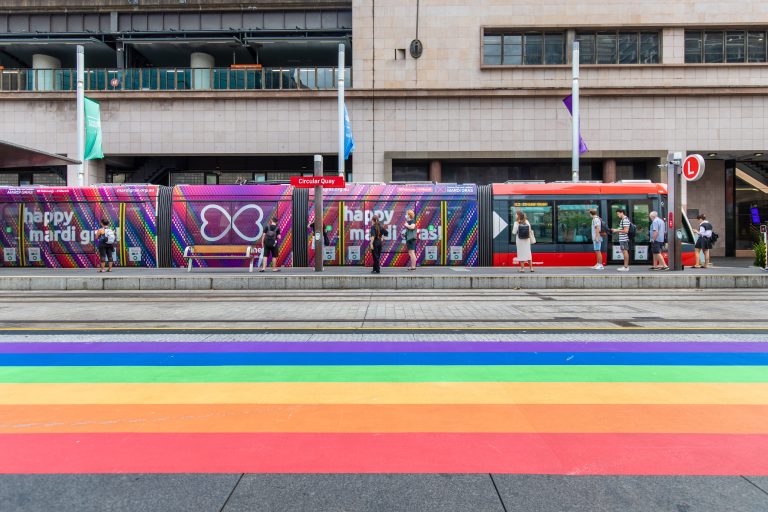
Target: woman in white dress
[[524, 237]]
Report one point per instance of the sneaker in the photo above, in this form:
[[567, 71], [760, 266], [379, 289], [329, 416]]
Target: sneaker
[[622, 269], [595, 266], [599, 267]]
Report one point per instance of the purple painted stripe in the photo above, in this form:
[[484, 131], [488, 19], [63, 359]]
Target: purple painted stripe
[[388, 346]]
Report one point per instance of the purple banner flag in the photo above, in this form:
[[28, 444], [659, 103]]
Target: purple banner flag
[[568, 102]]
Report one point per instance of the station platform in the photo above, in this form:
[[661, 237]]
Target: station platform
[[726, 273]]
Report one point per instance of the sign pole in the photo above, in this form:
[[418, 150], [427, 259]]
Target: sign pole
[[319, 250], [675, 219], [575, 115], [340, 88], [80, 116]]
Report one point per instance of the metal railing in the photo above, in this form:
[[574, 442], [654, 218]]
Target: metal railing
[[174, 79]]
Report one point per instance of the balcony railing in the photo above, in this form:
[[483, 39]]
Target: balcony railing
[[174, 79]]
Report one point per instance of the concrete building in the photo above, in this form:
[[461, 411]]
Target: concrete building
[[209, 91]]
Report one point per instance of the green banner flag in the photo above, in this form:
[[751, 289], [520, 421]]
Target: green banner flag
[[92, 131]]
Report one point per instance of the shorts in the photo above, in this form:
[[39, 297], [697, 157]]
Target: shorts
[[411, 244], [106, 253], [597, 246], [703, 243], [624, 246], [657, 247], [270, 251]]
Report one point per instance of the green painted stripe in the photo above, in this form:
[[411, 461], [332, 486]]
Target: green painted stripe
[[149, 374]]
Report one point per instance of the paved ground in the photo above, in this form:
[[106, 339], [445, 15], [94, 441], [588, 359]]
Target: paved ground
[[712, 327]]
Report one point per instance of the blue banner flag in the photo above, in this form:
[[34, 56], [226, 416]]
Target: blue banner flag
[[568, 102], [349, 140]]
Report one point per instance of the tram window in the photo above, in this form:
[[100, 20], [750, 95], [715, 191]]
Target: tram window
[[539, 214], [641, 217], [574, 221]]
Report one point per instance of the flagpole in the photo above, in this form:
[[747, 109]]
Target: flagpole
[[575, 115], [80, 115], [340, 88]]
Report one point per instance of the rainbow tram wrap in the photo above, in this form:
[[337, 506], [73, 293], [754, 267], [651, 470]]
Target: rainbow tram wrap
[[229, 215], [446, 223], [56, 226]]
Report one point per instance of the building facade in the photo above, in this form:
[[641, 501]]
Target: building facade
[[449, 91]]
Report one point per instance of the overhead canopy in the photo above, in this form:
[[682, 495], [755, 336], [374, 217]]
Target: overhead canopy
[[300, 51], [14, 155], [97, 53], [175, 51]]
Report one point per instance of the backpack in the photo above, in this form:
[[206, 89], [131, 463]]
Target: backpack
[[604, 231], [632, 231], [270, 236], [523, 231], [108, 237]]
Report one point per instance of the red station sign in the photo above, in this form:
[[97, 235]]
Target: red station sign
[[318, 181], [693, 167]]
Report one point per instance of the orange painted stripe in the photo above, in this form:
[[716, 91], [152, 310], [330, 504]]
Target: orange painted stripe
[[297, 418]]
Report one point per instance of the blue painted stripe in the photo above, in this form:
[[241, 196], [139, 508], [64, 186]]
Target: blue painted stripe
[[389, 358]]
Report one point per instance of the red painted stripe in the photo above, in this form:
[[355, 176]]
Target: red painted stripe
[[572, 454]]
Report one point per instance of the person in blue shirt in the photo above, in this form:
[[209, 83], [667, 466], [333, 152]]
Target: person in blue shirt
[[657, 232]]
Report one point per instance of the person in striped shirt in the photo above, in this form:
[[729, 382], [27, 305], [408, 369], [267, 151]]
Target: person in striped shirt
[[623, 231]]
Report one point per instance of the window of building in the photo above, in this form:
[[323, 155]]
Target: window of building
[[718, 46], [619, 47], [539, 214], [529, 48], [574, 223]]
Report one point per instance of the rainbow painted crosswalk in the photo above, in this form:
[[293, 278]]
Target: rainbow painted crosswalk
[[599, 408]]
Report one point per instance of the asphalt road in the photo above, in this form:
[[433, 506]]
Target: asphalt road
[[640, 319]]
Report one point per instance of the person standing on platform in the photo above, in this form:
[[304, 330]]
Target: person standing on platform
[[377, 232], [623, 231], [597, 238], [524, 238], [657, 233], [410, 237]]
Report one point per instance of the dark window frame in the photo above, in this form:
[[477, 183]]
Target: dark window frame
[[696, 45], [547, 36], [640, 37]]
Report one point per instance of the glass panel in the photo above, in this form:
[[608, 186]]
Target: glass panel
[[713, 47], [649, 48], [735, 47], [693, 47], [534, 46], [586, 48], [606, 48], [639, 216], [628, 48], [513, 50], [574, 221], [756, 44], [539, 214], [492, 50], [554, 49]]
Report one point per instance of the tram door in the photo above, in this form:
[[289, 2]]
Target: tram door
[[638, 211]]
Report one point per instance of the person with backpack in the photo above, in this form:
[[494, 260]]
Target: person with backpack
[[598, 232], [625, 235], [105, 242], [704, 243], [524, 238], [269, 242], [377, 232]]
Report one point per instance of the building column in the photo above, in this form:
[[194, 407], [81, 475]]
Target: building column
[[435, 171], [44, 74], [94, 172], [202, 67], [609, 171]]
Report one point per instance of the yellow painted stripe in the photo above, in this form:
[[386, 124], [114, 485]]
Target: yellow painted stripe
[[387, 393]]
